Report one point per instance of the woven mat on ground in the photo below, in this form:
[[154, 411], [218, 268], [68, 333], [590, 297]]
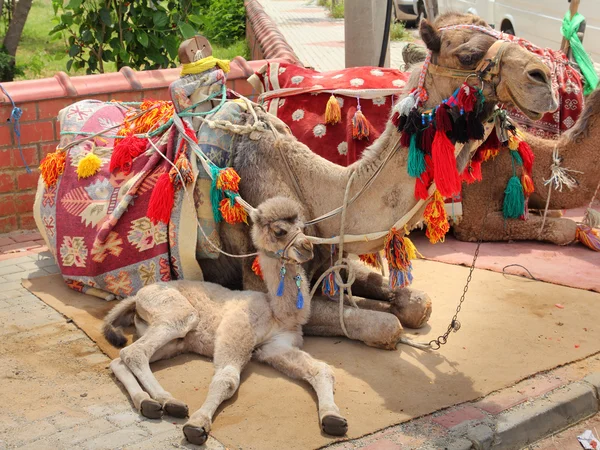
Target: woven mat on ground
[[509, 331], [573, 265]]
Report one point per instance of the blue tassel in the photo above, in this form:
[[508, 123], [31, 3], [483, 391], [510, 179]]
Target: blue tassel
[[400, 279], [300, 297], [281, 281], [330, 287]]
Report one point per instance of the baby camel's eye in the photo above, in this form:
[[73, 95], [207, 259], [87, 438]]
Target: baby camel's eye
[[280, 232]]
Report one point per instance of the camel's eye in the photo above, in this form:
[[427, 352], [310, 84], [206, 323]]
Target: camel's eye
[[280, 232]]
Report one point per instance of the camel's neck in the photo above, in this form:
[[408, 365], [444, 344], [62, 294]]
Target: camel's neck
[[285, 308]]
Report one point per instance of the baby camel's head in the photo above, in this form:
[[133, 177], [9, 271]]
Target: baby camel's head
[[277, 228]]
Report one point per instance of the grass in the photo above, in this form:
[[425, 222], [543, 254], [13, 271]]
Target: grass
[[337, 11], [40, 56], [398, 32]]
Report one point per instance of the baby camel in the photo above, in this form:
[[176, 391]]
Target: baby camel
[[232, 326]]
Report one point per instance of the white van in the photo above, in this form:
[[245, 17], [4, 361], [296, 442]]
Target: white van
[[538, 21]]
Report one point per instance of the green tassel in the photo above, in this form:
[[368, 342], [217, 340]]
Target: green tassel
[[514, 199], [516, 157], [416, 158], [215, 194]]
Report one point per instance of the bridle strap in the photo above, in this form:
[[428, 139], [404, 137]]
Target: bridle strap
[[282, 254]]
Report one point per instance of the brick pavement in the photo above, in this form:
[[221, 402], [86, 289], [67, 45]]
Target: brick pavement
[[317, 39]]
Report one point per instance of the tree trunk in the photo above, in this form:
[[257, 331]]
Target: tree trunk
[[431, 9], [1, 7], [15, 29]]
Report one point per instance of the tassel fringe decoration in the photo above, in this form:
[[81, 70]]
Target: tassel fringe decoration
[[588, 237], [399, 251], [185, 169], [360, 125], [436, 219], [161, 200], [526, 155], [88, 166], [371, 259], [329, 287], [299, 295], [514, 199], [52, 167], [126, 150], [445, 174], [228, 180], [281, 286], [527, 183], [416, 159], [333, 112], [257, 269], [231, 211]]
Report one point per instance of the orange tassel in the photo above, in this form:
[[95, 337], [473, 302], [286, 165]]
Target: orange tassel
[[527, 183], [472, 173], [53, 166], [435, 217], [399, 250], [161, 200], [360, 126], [158, 112], [232, 211], [588, 237], [125, 151], [185, 169], [228, 180], [445, 174], [333, 112], [371, 259], [257, 269]]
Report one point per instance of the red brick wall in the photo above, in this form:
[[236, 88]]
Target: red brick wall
[[41, 100]]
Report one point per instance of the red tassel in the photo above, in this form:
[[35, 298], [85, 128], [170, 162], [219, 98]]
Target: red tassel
[[443, 122], [527, 156], [445, 174], [405, 139], [424, 181], [472, 173], [427, 137], [161, 200], [257, 269], [491, 145], [396, 119], [467, 99], [125, 151], [371, 259]]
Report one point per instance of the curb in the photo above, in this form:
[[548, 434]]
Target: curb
[[532, 421]]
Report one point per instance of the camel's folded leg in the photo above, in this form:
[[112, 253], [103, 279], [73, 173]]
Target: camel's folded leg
[[560, 231], [300, 365], [411, 306], [374, 328]]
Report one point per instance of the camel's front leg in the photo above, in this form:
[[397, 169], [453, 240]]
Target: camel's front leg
[[300, 365], [411, 306], [233, 350], [374, 328]]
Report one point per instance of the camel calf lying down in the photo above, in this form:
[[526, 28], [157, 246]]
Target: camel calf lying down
[[231, 326]]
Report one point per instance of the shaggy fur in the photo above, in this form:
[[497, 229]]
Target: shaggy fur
[[230, 326]]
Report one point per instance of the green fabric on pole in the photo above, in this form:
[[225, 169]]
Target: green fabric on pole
[[569, 31]]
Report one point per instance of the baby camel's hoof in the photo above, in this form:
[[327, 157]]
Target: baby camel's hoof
[[334, 425], [175, 408], [151, 409], [195, 435]]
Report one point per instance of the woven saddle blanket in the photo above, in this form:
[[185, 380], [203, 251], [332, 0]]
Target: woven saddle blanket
[[98, 228]]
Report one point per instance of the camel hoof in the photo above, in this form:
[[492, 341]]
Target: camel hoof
[[151, 409], [175, 408], [412, 307], [334, 425], [195, 435]]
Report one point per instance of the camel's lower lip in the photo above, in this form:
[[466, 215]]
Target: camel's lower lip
[[533, 115]]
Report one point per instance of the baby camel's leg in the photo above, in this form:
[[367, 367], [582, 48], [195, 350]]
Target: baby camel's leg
[[298, 364], [141, 399], [234, 343]]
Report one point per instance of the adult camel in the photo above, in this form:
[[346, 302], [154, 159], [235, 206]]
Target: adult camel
[[277, 164]]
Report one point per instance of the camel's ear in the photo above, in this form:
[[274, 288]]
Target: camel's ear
[[430, 35]]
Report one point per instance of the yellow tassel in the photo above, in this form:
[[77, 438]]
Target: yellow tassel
[[232, 211], [333, 112], [52, 167], [158, 112], [490, 154], [228, 180], [437, 221], [513, 143], [88, 165]]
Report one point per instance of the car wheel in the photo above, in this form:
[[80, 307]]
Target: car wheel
[[510, 31]]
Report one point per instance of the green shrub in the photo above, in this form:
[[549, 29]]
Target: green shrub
[[398, 32]]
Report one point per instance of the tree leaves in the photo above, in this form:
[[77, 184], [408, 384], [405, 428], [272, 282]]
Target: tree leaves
[[187, 31], [142, 37]]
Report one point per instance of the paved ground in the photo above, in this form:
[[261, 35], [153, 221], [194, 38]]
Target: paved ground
[[317, 39]]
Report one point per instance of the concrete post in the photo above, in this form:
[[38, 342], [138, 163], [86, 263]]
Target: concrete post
[[364, 23]]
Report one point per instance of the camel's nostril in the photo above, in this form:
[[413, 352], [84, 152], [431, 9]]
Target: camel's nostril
[[537, 75]]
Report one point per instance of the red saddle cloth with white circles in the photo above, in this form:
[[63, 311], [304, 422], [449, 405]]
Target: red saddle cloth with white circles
[[299, 97]]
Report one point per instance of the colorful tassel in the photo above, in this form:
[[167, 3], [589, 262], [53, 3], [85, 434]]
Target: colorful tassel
[[467, 98], [232, 211], [161, 200], [216, 195], [424, 181], [126, 150], [588, 237], [228, 180], [472, 173], [257, 269], [445, 175], [53, 166], [513, 143], [426, 141], [329, 287], [333, 112], [183, 167], [527, 183], [514, 199], [157, 113], [281, 286], [436, 219], [443, 121], [371, 259], [299, 296], [88, 165], [416, 159], [526, 155], [399, 251], [360, 125], [516, 157]]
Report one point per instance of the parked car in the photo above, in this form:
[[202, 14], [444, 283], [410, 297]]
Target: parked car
[[538, 21], [409, 11]]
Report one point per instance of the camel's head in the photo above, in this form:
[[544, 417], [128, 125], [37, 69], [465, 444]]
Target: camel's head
[[522, 79], [277, 229]]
